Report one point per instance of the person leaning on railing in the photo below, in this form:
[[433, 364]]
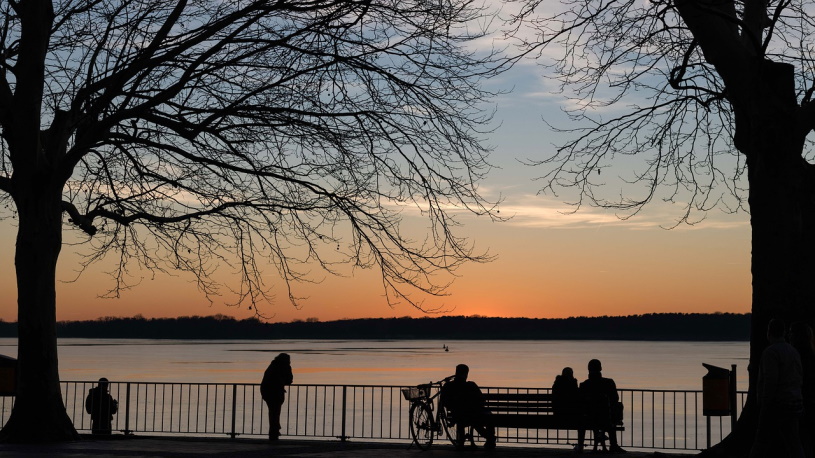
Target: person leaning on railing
[[273, 391]]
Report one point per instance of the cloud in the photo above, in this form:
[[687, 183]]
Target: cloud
[[534, 211]]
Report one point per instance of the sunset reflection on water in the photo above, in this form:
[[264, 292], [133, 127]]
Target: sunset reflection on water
[[646, 365]]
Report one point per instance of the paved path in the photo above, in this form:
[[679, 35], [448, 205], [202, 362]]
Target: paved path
[[137, 446]]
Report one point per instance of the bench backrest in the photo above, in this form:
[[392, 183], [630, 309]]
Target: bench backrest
[[533, 403]]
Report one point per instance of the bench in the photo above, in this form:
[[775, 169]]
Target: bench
[[534, 411]]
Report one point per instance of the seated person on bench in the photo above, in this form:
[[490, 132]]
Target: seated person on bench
[[466, 403], [566, 403], [599, 394]]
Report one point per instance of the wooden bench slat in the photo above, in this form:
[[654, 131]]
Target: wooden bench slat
[[526, 405], [519, 410], [537, 422], [538, 397]]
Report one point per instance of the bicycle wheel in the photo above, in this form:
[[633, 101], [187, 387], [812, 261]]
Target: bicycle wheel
[[450, 429], [421, 425]]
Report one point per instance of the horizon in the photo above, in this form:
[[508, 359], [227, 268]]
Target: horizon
[[220, 316]]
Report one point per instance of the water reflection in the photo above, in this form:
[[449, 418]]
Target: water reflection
[[649, 365]]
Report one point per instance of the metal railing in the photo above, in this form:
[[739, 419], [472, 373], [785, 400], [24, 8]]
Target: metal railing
[[654, 419]]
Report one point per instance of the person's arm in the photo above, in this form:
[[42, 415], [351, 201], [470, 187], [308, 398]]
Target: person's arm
[[768, 378], [89, 403], [613, 396], [449, 397], [478, 395], [266, 384]]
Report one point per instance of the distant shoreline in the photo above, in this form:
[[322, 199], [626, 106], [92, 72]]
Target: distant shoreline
[[648, 327]]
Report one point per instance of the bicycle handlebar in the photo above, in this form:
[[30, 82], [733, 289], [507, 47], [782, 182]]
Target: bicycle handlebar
[[440, 382]]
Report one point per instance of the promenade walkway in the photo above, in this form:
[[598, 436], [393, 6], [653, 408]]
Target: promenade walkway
[[137, 446]]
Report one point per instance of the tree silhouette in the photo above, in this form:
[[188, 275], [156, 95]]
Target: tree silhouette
[[717, 95], [187, 135]]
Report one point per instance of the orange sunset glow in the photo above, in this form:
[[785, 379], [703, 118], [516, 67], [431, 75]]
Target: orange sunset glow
[[540, 272]]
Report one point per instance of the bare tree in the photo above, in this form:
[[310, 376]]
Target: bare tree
[[716, 96], [187, 135]]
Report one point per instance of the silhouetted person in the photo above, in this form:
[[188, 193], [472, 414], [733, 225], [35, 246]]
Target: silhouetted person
[[802, 339], [565, 394], [466, 402], [780, 402], [101, 406], [273, 391], [599, 394]]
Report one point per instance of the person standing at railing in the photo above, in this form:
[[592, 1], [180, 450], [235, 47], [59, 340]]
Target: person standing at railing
[[780, 402], [802, 339], [101, 406], [273, 390]]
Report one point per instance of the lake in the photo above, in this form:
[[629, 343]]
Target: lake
[[633, 364]]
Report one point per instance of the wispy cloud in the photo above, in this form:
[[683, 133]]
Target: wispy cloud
[[536, 211]]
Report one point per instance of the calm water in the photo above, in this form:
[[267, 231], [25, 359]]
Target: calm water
[[647, 365]]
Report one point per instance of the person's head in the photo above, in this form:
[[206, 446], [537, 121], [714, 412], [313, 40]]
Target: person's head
[[462, 371], [595, 367], [282, 358], [103, 383], [775, 330], [801, 337], [567, 372]]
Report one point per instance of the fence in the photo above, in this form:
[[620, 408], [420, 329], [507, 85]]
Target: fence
[[654, 419]]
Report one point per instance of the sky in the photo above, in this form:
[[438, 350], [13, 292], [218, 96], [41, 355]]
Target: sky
[[550, 262]]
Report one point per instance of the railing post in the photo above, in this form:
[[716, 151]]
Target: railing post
[[127, 410], [343, 436], [732, 394], [234, 408], [707, 417]]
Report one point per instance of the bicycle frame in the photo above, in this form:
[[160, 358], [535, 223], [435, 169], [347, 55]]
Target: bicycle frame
[[427, 421]]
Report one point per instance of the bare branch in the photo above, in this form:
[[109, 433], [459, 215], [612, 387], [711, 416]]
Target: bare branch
[[684, 70], [190, 135]]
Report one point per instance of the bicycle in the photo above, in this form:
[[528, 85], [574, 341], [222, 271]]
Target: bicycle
[[424, 425]]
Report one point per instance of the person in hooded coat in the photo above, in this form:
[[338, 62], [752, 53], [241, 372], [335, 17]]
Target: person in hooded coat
[[273, 391]]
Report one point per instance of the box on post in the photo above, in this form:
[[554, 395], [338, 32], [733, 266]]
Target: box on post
[[8, 376], [716, 391]]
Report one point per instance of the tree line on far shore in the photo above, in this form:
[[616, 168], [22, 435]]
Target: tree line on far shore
[[658, 326]]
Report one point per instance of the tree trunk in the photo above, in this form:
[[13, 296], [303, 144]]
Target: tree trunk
[[39, 412], [782, 216]]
